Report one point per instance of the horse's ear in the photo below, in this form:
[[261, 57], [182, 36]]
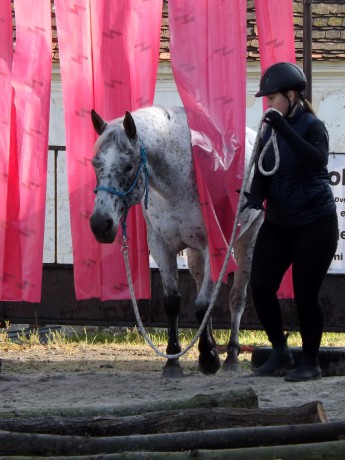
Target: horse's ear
[[98, 123], [129, 125]]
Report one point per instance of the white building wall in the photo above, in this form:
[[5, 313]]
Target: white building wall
[[328, 102]]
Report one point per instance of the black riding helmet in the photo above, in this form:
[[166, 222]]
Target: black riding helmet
[[282, 77]]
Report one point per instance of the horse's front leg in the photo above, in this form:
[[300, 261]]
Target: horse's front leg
[[243, 251], [167, 265], [199, 267], [172, 302]]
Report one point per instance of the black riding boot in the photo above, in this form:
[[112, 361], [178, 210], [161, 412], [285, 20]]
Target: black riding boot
[[279, 361], [308, 369]]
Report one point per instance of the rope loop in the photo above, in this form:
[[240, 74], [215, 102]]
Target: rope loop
[[272, 140]]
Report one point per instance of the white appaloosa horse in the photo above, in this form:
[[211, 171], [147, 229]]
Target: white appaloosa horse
[[150, 150]]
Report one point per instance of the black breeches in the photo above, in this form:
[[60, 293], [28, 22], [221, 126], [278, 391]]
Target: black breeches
[[310, 250]]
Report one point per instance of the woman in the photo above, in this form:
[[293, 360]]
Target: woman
[[300, 226]]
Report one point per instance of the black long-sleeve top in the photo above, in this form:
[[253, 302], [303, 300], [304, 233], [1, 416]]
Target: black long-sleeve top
[[299, 192]]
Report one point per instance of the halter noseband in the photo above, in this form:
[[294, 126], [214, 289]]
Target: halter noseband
[[123, 195]]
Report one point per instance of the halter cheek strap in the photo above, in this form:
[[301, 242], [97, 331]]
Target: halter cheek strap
[[124, 195]]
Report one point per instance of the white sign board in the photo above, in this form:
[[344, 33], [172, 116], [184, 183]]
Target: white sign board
[[336, 168]]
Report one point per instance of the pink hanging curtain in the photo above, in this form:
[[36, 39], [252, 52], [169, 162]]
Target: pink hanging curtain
[[208, 55], [276, 44], [22, 240], [109, 57], [275, 31], [6, 59]]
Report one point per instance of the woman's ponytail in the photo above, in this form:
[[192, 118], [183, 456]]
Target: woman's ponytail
[[306, 104]]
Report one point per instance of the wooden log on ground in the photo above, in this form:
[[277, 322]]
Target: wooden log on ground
[[326, 450], [168, 421], [333, 450], [43, 444], [239, 397]]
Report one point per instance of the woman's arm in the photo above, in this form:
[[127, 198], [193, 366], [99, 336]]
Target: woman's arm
[[313, 149]]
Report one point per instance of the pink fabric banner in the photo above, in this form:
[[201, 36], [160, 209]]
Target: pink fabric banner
[[208, 55], [6, 59], [109, 56], [276, 44], [275, 31], [27, 165]]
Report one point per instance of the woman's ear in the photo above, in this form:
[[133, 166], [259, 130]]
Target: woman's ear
[[291, 95]]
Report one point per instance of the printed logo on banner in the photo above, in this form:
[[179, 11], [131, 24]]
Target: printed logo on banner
[[336, 167]]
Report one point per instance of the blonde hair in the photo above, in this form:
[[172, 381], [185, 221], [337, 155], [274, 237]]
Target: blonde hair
[[306, 104]]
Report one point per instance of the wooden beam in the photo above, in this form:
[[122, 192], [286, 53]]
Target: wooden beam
[[44, 444], [171, 421], [307, 46]]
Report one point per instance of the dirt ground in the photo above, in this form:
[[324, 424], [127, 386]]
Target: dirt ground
[[49, 376]]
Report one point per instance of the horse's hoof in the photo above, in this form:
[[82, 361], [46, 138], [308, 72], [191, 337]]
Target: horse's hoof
[[232, 366], [209, 363], [172, 371], [232, 363]]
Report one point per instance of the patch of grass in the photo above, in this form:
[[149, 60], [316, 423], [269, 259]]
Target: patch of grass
[[333, 339], [94, 336], [132, 336]]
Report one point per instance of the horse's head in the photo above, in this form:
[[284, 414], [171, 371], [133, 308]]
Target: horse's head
[[120, 171]]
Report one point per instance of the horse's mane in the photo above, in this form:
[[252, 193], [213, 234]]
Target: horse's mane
[[153, 108]]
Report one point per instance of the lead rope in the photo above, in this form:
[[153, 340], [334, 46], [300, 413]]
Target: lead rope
[[216, 290], [272, 140]]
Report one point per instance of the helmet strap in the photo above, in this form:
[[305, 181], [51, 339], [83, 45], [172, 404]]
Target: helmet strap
[[291, 106]]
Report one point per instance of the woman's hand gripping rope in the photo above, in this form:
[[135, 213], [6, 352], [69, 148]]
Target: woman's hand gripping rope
[[275, 119]]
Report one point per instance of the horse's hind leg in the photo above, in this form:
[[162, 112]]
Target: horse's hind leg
[[209, 361], [243, 251]]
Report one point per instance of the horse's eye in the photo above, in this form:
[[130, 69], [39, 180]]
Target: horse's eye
[[128, 168]]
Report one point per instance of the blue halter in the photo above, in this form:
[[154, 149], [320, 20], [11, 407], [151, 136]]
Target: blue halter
[[142, 165]]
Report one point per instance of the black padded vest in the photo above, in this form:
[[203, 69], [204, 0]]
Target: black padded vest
[[296, 194]]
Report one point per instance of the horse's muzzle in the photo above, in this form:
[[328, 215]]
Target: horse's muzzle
[[103, 228]]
